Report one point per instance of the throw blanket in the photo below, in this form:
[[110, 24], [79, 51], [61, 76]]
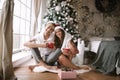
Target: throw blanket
[[107, 56]]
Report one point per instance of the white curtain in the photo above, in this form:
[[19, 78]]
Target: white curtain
[[43, 11], [6, 41], [36, 9]]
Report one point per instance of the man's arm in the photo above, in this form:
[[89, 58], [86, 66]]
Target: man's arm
[[31, 44]]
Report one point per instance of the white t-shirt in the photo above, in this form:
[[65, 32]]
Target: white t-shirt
[[40, 39]]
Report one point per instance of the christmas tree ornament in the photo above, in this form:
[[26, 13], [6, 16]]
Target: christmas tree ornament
[[57, 8], [59, 17], [57, 12]]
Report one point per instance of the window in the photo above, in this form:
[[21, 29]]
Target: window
[[21, 22], [1, 3]]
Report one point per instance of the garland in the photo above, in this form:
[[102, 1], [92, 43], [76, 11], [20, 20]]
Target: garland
[[109, 8]]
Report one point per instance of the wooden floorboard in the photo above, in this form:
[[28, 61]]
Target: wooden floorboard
[[23, 73]]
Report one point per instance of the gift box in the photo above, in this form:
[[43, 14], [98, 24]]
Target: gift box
[[67, 74]]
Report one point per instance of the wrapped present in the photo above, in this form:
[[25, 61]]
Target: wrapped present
[[67, 74]]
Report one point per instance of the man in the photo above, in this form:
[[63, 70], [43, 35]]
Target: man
[[45, 56]]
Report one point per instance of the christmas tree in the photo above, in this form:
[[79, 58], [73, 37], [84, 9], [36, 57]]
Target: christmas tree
[[61, 12]]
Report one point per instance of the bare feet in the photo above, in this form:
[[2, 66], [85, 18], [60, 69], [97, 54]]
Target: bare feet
[[51, 67], [85, 67], [43, 64], [31, 68], [54, 67], [48, 67]]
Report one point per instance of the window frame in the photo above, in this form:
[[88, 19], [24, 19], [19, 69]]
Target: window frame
[[22, 34]]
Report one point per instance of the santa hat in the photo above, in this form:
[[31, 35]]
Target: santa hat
[[58, 27], [50, 22]]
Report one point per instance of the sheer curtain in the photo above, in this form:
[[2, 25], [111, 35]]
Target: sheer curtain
[[6, 41], [36, 9], [43, 11]]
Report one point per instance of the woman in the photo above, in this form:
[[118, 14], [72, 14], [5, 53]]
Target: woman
[[64, 41]]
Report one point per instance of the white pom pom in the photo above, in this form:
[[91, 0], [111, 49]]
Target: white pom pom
[[57, 8]]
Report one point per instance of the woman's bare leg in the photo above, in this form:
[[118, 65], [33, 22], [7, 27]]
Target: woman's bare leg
[[67, 63]]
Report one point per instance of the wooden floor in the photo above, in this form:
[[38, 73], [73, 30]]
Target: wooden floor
[[23, 73]]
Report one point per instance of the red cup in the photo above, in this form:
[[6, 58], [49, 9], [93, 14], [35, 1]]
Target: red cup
[[51, 45]]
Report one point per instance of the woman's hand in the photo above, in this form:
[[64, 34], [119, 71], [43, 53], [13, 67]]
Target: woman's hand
[[31, 44], [66, 51]]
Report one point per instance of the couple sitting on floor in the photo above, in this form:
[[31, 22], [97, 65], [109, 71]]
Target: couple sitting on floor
[[53, 47]]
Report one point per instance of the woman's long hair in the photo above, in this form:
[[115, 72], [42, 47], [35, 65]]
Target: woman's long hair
[[58, 43]]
